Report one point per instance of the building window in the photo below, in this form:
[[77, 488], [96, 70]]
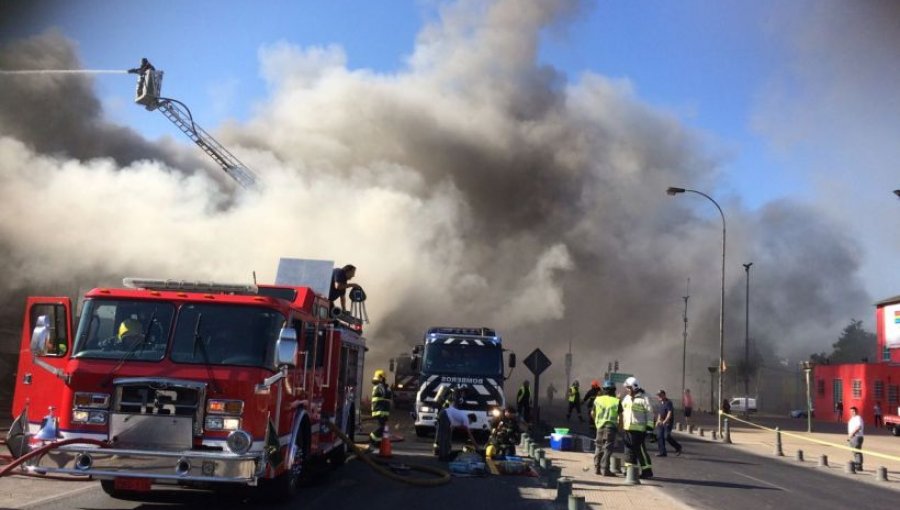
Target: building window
[[820, 387], [857, 388], [886, 354], [879, 390], [893, 391]]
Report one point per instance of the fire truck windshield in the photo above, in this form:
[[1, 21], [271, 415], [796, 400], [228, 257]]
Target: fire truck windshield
[[477, 360], [226, 335], [113, 328]]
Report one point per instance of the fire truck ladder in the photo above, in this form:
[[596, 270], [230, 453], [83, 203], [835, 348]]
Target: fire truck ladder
[[179, 114]]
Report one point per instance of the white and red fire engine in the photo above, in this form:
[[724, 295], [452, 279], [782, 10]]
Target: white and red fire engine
[[189, 383]]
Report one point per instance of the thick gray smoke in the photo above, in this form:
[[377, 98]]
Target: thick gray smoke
[[475, 187]]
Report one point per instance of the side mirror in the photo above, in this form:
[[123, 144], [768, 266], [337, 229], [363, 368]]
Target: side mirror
[[512, 360], [286, 348], [40, 336]]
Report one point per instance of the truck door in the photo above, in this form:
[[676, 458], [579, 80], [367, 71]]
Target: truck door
[[36, 386]]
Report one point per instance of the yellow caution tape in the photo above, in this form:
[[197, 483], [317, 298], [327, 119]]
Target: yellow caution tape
[[813, 440]]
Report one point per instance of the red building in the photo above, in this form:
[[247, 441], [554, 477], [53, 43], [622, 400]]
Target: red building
[[861, 385]]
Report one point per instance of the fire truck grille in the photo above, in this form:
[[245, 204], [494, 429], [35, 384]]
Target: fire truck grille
[[161, 399]]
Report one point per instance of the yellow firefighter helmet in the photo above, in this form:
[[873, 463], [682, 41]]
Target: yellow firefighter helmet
[[130, 327], [378, 375]]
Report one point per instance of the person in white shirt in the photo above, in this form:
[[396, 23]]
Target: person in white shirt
[[855, 436]]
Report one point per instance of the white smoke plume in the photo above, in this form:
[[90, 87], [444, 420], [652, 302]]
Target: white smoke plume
[[475, 187]]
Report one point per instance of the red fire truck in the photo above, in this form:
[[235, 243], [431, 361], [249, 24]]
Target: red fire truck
[[189, 383]]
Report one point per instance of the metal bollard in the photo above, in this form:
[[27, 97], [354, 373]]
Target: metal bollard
[[823, 461], [678, 426], [713, 435], [576, 502], [700, 431], [523, 440], [799, 456], [691, 428], [531, 448], [539, 454], [726, 432], [545, 463], [850, 469], [632, 475], [881, 474], [616, 464], [563, 489], [778, 450]]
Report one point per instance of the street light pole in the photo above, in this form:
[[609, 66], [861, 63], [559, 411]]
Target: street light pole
[[712, 371], [675, 191], [747, 340], [684, 340], [807, 368]]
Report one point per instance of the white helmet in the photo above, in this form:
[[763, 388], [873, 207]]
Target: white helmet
[[632, 382]]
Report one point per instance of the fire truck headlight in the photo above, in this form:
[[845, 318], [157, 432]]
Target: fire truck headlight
[[495, 412], [89, 416], [79, 416], [400, 386], [239, 442], [222, 423]]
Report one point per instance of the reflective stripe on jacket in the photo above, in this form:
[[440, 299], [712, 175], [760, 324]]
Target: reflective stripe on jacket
[[606, 411], [524, 395], [381, 400], [637, 413]]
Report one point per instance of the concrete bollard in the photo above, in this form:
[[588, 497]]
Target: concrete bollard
[[713, 433], [678, 426], [545, 463], [691, 428], [576, 502], [778, 450], [823, 461], [726, 432], [523, 440], [615, 464], [799, 456], [563, 489], [632, 475], [539, 454], [881, 474], [850, 469], [700, 431], [531, 448]]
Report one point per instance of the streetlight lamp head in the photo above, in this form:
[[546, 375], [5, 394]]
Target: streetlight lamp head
[[674, 191]]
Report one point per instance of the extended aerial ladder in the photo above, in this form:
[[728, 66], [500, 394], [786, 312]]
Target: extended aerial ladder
[[148, 95]]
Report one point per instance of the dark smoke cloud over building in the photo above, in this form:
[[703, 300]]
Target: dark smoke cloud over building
[[475, 187]]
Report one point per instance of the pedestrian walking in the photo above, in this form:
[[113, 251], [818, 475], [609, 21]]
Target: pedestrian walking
[[607, 415], [855, 436], [588, 402], [551, 392], [879, 417], [637, 413], [574, 398], [523, 402], [687, 401], [664, 421]]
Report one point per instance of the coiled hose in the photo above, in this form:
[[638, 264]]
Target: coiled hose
[[443, 477]]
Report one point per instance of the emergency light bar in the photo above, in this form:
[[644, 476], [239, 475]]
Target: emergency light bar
[[189, 286], [461, 331]]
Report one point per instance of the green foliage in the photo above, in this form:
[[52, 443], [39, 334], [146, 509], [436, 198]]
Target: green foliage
[[855, 345]]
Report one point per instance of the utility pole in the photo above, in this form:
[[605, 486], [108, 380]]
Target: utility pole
[[684, 339]]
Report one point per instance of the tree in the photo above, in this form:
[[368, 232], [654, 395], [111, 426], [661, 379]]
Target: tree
[[855, 345]]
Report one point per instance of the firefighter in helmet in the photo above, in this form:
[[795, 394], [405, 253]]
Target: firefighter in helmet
[[129, 330], [381, 407]]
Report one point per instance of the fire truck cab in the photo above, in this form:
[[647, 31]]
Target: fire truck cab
[[189, 383]]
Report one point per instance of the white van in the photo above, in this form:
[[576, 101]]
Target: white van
[[743, 404]]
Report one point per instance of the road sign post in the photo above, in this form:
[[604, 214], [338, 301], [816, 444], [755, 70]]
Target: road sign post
[[537, 362]]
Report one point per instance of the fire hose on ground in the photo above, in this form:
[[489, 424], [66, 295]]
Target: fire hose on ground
[[443, 477]]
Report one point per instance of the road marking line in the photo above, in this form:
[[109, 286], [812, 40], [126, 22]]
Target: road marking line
[[763, 481]]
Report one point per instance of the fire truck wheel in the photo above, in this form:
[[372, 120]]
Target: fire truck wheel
[[285, 486], [423, 431], [895, 430]]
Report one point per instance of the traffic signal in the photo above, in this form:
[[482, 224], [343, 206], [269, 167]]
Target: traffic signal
[[616, 366]]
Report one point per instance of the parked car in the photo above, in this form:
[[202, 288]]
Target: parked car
[[742, 404], [801, 413]]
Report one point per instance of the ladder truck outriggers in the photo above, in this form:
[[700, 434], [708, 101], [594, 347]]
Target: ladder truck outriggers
[[185, 383], [467, 358], [149, 87]]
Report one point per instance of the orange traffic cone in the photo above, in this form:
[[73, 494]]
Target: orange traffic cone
[[384, 449]]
